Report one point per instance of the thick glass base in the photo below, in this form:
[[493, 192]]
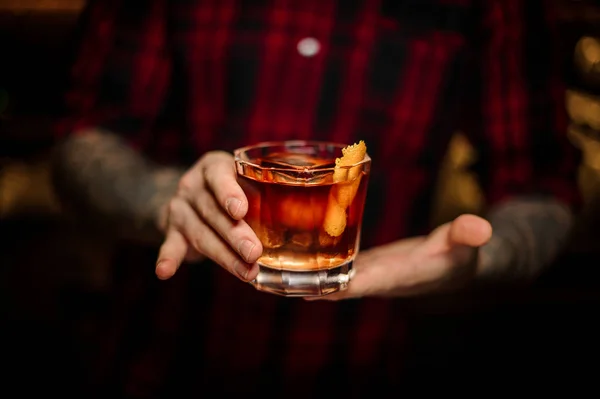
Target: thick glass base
[[303, 283]]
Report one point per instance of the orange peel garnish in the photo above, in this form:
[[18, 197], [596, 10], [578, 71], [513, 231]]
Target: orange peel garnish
[[347, 181]]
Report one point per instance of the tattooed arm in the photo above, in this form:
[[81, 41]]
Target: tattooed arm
[[520, 135], [106, 180], [528, 233]]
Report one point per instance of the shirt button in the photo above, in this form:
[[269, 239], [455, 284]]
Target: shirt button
[[308, 47]]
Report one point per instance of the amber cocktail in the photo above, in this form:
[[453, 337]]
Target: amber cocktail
[[306, 202]]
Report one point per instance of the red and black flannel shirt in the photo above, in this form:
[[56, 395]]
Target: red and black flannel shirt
[[178, 78]]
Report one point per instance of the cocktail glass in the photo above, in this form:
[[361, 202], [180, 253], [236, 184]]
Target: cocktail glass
[[307, 212]]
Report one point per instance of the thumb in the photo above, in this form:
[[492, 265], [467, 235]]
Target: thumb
[[470, 230], [171, 254], [465, 230]]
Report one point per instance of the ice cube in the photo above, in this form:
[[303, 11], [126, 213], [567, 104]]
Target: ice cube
[[302, 177], [299, 168], [270, 238], [325, 240], [298, 161], [302, 239]]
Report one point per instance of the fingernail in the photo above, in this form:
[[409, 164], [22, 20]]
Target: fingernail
[[241, 270], [233, 206], [245, 249]]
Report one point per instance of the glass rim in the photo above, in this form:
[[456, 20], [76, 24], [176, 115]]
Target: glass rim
[[299, 143]]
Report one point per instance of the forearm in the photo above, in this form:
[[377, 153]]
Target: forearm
[[528, 235], [104, 179]]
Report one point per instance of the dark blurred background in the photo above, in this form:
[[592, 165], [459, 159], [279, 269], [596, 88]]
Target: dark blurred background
[[55, 278]]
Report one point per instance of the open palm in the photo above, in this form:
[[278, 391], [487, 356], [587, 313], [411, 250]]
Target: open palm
[[442, 260]]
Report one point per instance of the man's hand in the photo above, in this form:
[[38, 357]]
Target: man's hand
[[205, 218], [445, 259], [198, 213]]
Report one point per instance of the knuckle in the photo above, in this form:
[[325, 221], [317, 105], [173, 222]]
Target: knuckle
[[173, 206], [197, 243], [218, 161], [186, 183], [212, 156], [198, 239], [219, 154]]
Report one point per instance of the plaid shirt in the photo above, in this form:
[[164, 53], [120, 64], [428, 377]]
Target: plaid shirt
[[178, 78]]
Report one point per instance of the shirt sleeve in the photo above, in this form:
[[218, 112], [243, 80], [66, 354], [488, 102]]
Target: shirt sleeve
[[121, 70], [520, 130]]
